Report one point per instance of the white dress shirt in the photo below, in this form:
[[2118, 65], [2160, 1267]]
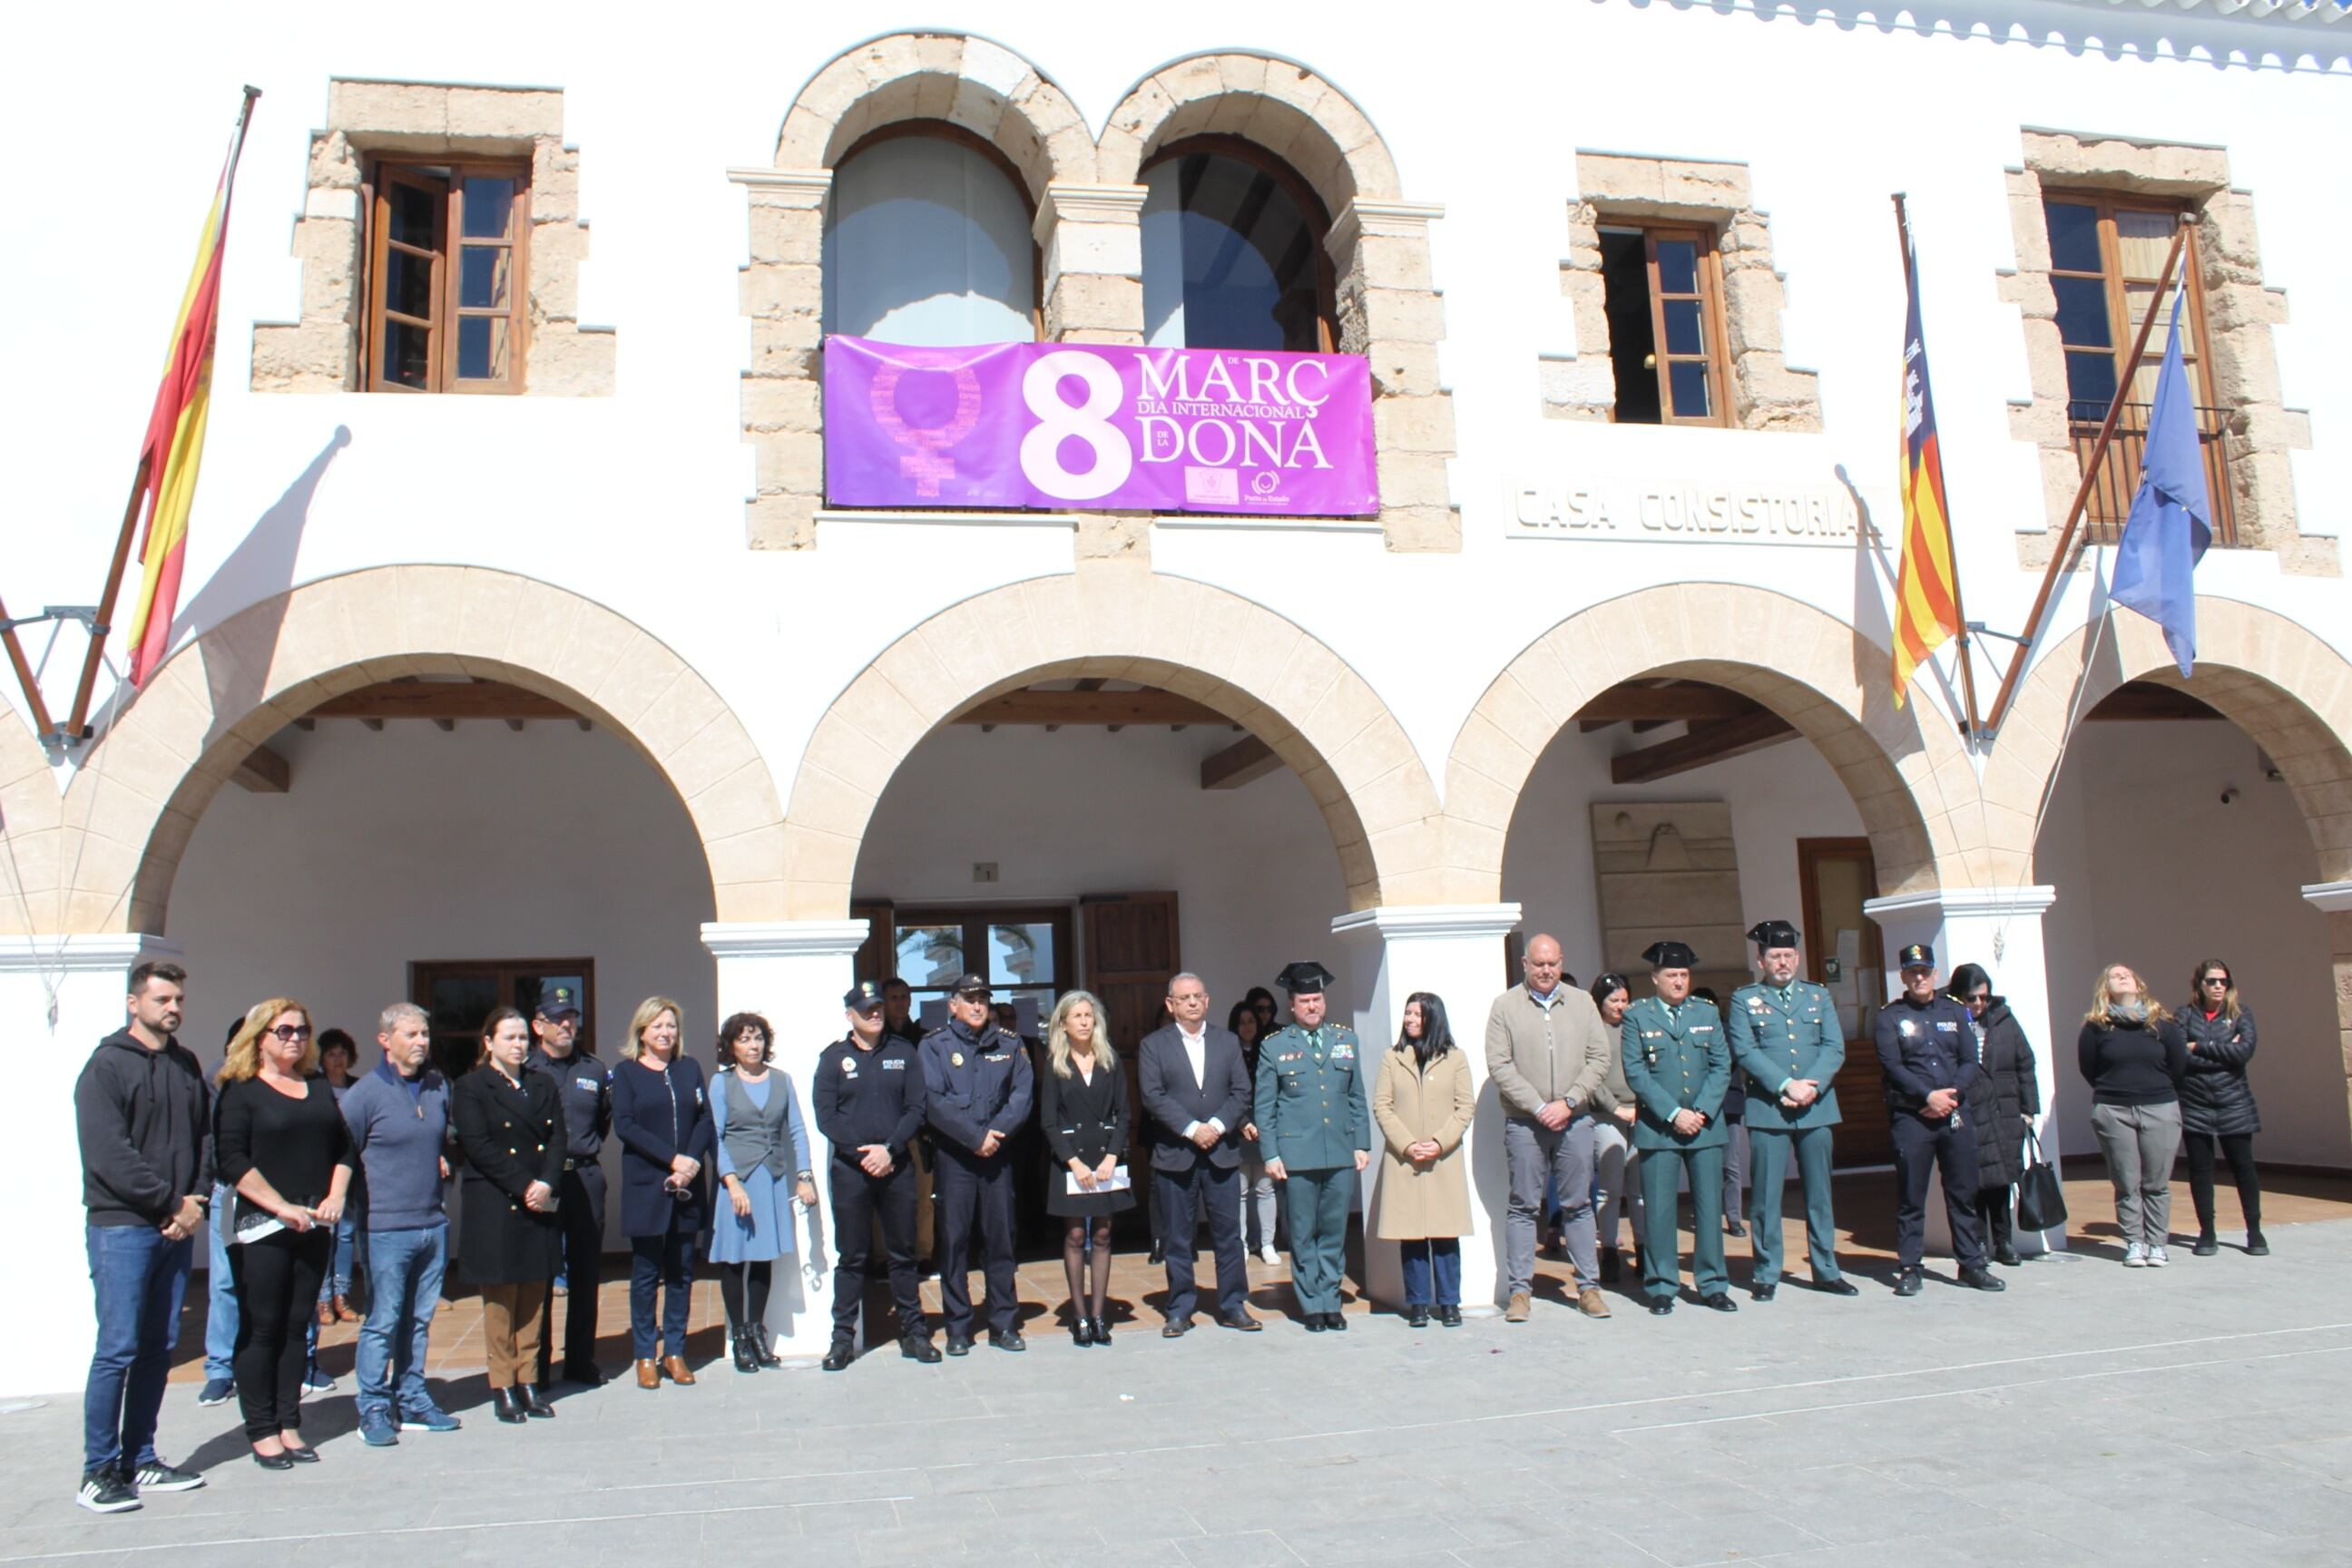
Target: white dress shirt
[[1196, 1052]]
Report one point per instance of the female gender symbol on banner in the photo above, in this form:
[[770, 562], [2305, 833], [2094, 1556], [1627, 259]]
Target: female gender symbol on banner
[[928, 463]]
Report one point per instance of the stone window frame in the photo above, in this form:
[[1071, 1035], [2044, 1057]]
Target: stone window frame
[[1763, 391], [1090, 202], [2239, 310], [366, 118]]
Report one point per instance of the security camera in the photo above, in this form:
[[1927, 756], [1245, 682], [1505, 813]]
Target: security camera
[[2228, 794]]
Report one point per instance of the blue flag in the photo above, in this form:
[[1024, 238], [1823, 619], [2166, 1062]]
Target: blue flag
[[2171, 520]]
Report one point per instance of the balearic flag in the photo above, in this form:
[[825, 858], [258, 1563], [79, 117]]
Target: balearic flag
[[2170, 524], [174, 448], [1928, 598]]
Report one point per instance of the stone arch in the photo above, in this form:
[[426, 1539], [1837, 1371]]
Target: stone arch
[[966, 82], [1277, 103], [1254, 666], [2287, 689], [136, 799], [1911, 781], [32, 823]]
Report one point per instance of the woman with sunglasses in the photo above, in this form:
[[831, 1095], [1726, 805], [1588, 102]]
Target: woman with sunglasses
[[280, 1143], [2217, 1104], [2002, 1102]]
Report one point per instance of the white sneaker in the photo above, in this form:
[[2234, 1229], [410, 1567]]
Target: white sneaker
[[2158, 1257], [1268, 1255], [2135, 1256]]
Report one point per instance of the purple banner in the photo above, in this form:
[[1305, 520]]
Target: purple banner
[[1063, 425]]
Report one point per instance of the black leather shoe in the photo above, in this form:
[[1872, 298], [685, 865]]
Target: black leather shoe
[[1314, 1323], [1450, 1317], [1763, 1292], [1718, 1302], [2255, 1245], [302, 1455], [2008, 1258], [1610, 1266], [1907, 1282], [2206, 1246], [278, 1461], [842, 1353], [1240, 1320], [1335, 1322], [1175, 1327], [745, 1361], [581, 1372], [1010, 1339], [1661, 1305], [1416, 1317], [1082, 1332], [1159, 1253], [503, 1405], [1102, 1331], [763, 1346], [538, 1409], [918, 1347], [1732, 1227], [1982, 1278], [1839, 1287], [958, 1345]]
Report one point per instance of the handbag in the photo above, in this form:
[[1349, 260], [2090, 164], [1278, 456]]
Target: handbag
[[2041, 1195]]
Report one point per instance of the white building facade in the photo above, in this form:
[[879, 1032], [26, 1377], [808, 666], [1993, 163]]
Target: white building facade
[[1612, 661]]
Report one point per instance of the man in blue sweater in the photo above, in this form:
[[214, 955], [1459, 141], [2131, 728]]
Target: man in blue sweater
[[399, 1118]]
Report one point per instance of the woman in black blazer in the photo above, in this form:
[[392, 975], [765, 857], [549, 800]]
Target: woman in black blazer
[[1082, 1109], [661, 1114], [510, 1125]]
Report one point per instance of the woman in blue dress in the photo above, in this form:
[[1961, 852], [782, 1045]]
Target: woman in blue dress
[[761, 1145]]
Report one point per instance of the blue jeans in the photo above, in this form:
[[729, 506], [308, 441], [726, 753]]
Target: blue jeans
[[660, 1266], [1440, 1256], [404, 1270], [349, 1244], [137, 1278], [220, 1292]]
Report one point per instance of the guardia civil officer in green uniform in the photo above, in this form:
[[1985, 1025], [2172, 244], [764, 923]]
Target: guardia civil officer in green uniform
[[1315, 1132], [1679, 1068], [1785, 1040]]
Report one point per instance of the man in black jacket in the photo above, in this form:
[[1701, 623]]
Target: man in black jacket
[[978, 1090], [869, 1097], [1927, 1053], [141, 1112], [1195, 1092]]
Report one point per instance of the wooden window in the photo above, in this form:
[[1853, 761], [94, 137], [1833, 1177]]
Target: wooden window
[[1234, 253], [458, 994], [2106, 255], [1663, 291], [1024, 951], [447, 255], [1843, 952]]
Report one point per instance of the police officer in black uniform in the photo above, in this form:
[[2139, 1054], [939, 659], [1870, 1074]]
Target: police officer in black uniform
[[868, 1099], [978, 1089], [587, 1091], [1928, 1054]]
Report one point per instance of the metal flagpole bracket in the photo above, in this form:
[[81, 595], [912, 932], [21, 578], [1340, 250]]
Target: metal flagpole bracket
[[85, 614], [1983, 630]]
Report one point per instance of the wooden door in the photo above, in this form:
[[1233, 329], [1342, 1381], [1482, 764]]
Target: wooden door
[[1843, 952], [1132, 954], [457, 994]]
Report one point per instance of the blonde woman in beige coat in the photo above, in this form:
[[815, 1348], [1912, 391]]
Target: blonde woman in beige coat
[[1423, 1103]]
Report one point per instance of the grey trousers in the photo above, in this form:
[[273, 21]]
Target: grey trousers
[[1534, 1153], [1617, 1182], [2139, 1142]]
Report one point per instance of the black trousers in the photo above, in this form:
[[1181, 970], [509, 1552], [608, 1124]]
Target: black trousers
[[1992, 1208], [858, 1201], [1923, 1146], [975, 1203], [277, 1282], [2238, 1148], [1183, 1194], [581, 1211]]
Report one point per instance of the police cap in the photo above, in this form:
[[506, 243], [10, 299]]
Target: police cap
[[971, 985], [1670, 954], [1303, 978], [556, 1001], [863, 996], [1918, 955], [1772, 934]]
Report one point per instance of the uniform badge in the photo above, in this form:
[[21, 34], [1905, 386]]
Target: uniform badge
[[1904, 1025], [955, 1059], [590, 1084], [848, 1067]]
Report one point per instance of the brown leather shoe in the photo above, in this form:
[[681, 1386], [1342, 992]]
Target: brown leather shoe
[[1591, 1302], [648, 1375], [326, 1314], [344, 1313], [674, 1365], [1517, 1312]]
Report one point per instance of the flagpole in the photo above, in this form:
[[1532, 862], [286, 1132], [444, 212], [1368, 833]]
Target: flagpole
[[1969, 726], [2183, 240], [100, 629], [25, 674]]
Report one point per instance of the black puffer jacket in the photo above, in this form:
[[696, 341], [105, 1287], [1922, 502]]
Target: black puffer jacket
[[2214, 1095], [2005, 1096]]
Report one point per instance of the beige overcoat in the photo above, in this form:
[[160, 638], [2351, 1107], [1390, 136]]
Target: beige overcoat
[[1408, 1106]]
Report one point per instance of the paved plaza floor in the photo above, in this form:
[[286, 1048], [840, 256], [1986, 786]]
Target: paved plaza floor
[[2091, 1415]]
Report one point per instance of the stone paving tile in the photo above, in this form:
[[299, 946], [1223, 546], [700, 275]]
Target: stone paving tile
[[1244, 1549]]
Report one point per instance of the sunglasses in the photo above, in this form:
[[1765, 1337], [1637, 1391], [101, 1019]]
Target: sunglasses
[[2221, 980], [291, 1033]]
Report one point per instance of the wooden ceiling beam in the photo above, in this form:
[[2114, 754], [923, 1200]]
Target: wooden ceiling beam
[[1246, 760], [1146, 707], [441, 700], [2144, 699], [1713, 741], [1659, 704], [264, 772]]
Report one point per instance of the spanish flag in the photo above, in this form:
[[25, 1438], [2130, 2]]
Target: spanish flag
[[1927, 592], [174, 448]]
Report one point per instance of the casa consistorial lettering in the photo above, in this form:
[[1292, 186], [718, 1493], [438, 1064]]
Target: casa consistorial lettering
[[1706, 512]]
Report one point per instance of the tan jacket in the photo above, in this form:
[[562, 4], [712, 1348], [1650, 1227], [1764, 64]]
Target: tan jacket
[[1537, 1054], [1417, 1201]]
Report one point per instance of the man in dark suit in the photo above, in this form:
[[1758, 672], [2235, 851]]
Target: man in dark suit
[[1196, 1093]]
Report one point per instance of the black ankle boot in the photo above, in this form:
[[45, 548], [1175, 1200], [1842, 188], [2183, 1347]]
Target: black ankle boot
[[744, 1360], [504, 1405], [1082, 1330], [763, 1346]]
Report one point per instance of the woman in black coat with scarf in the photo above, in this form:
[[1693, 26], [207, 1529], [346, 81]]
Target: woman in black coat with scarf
[[2217, 1104], [509, 1124], [2002, 1103]]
